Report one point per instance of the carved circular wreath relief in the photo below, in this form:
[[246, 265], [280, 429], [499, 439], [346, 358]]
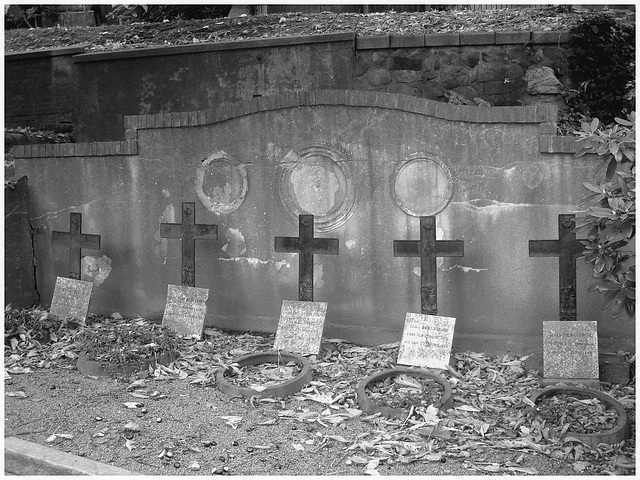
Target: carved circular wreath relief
[[221, 183], [314, 180], [422, 185]]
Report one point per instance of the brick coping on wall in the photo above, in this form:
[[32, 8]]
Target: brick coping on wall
[[544, 115], [506, 37]]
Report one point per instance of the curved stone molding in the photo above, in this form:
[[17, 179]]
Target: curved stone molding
[[221, 183], [544, 115], [422, 185], [314, 180]]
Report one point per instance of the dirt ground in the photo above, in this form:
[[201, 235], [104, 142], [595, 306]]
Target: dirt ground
[[173, 420], [63, 401]]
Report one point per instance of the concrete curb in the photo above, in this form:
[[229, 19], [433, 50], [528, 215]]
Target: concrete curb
[[27, 458]]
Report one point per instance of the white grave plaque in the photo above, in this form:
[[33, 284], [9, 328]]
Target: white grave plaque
[[185, 309], [300, 327], [426, 341], [570, 350], [71, 298]]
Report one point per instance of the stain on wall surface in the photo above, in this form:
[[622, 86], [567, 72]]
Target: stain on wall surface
[[235, 245], [162, 244], [95, 269]]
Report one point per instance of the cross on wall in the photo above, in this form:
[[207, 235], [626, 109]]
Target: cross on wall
[[76, 241], [189, 231], [428, 248], [566, 248], [306, 245]]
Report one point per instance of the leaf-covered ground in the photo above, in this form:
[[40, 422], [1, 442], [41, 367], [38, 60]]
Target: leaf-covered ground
[[173, 420], [183, 32]]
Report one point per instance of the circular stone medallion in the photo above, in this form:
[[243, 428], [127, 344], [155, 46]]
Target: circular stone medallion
[[422, 185], [221, 183], [315, 181]]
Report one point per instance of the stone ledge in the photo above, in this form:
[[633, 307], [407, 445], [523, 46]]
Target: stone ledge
[[27, 458], [406, 41], [211, 47], [368, 43], [477, 38], [94, 149], [45, 52]]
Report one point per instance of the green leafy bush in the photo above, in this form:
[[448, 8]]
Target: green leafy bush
[[609, 223], [602, 67]]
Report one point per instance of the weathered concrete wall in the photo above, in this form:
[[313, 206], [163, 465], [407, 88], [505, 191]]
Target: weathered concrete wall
[[19, 275], [96, 90], [365, 164], [41, 88], [183, 79]]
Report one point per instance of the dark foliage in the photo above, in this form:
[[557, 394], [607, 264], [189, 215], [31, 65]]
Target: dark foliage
[[602, 68], [161, 13]]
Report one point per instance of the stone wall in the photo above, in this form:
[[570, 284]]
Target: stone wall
[[96, 90], [490, 67], [19, 274], [366, 164], [41, 89]]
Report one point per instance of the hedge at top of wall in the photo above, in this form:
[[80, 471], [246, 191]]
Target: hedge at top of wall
[[544, 115]]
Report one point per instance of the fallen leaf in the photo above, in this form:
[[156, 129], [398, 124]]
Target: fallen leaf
[[132, 427], [337, 438], [130, 445], [529, 470], [232, 420], [580, 466], [18, 394], [269, 422], [373, 464], [467, 408], [139, 395]]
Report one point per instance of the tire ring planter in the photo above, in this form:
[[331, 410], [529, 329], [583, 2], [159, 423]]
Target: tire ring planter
[[615, 435], [284, 389], [369, 407], [105, 369]]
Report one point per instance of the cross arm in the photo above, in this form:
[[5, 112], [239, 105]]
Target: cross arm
[[406, 248], [450, 248], [543, 248], [85, 240], [170, 230], [287, 244], [207, 231], [326, 246]]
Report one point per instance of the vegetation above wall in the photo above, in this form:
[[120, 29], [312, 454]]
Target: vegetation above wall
[[185, 32]]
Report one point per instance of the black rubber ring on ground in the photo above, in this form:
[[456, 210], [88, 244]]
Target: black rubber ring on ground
[[618, 433], [370, 408], [284, 389], [104, 369]]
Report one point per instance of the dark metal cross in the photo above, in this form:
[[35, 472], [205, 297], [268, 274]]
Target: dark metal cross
[[566, 248], [306, 245], [189, 231], [428, 248], [76, 241]]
